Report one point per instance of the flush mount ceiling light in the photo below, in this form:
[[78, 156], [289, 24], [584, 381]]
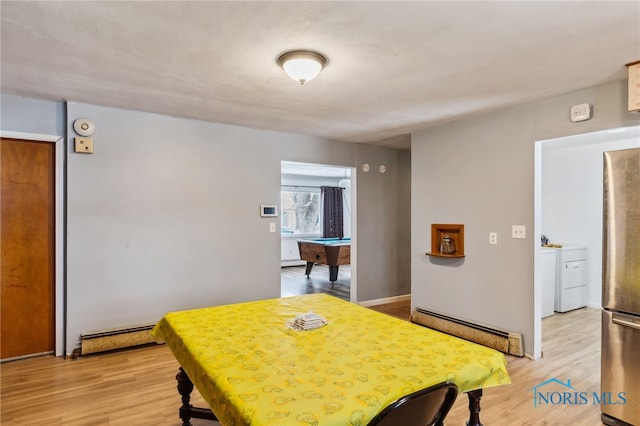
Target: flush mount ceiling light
[[302, 65]]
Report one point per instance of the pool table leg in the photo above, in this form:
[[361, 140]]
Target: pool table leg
[[307, 271], [474, 407], [333, 273]]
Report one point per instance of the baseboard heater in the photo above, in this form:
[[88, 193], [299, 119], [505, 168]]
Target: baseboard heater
[[118, 338], [504, 341]]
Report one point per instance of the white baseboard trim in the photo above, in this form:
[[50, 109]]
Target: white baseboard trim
[[384, 300]]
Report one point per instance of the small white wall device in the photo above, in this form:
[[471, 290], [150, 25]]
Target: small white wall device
[[84, 127], [268, 210], [581, 112]]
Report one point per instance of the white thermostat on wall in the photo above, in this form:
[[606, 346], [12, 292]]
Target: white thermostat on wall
[[268, 210], [581, 112]]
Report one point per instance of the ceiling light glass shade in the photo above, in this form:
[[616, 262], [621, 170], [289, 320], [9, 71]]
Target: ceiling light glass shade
[[302, 65]]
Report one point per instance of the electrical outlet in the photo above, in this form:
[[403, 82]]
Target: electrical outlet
[[518, 231], [493, 238]]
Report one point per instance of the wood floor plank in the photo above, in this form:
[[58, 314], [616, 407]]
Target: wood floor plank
[[571, 346], [294, 282], [138, 387]]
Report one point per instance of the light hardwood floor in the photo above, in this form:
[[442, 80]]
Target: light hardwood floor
[[571, 347], [137, 386], [293, 281]]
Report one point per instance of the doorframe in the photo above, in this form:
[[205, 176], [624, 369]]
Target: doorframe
[[603, 135], [537, 260], [353, 284], [59, 303]]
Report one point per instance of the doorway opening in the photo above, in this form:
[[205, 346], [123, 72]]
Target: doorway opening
[[568, 214], [302, 219]]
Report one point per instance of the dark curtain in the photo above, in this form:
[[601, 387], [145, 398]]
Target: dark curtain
[[332, 215]]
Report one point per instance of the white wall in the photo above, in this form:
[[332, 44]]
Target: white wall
[[155, 223], [32, 115], [572, 193], [480, 172]]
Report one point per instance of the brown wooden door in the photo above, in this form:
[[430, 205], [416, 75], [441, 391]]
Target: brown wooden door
[[27, 246]]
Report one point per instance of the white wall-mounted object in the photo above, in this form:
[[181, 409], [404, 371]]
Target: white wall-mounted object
[[633, 86], [84, 127], [493, 238], [581, 112], [365, 167], [382, 168], [268, 210], [83, 145], [518, 231]]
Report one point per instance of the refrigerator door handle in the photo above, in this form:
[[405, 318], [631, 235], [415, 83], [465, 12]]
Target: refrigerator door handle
[[618, 319]]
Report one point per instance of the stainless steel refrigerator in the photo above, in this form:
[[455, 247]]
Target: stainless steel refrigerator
[[620, 365]]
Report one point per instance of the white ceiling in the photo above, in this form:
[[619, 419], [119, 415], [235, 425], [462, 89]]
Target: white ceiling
[[394, 67]]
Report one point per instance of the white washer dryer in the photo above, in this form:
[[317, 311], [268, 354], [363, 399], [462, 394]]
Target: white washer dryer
[[572, 278]]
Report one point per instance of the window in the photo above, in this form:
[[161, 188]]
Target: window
[[300, 210]]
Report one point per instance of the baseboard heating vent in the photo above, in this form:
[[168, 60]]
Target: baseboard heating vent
[[119, 338], [504, 341]]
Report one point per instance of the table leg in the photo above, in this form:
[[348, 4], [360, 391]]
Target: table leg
[[474, 407], [307, 271], [188, 411], [185, 387]]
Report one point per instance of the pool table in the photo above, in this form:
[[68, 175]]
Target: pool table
[[326, 251]]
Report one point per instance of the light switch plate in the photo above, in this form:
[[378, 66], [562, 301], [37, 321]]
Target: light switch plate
[[83, 145]]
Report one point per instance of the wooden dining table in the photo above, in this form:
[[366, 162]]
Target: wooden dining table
[[253, 367]]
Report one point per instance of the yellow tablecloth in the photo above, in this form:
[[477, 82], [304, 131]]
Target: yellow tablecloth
[[253, 369]]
